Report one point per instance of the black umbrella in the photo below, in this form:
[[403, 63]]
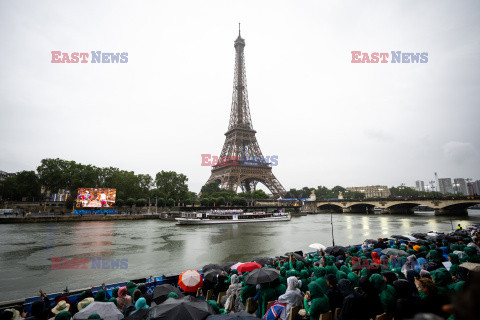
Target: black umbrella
[[161, 292], [419, 235], [263, 261], [226, 266], [336, 250], [232, 316], [138, 315], [262, 275], [422, 242], [462, 233], [401, 237], [297, 256], [211, 267], [394, 252], [211, 275], [187, 308], [436, 237]]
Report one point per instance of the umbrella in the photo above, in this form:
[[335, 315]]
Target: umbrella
[[138, 315], [186, 308], [453, 238], [435, 237], [410, 238], [371, 241], [212, 275], [471, 266], [106, 310], [422, 242], [190, 280], [161, 292], [401, 237], [249, 266], [263, 261], [419, 235], [336, 250], [232, 316], [297, 256], [227, 266], [262, 275], [394, 252], [317, 246], [236, 265], [211, 267]]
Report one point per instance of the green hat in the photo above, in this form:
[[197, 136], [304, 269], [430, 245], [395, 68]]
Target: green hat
[[64, 315]]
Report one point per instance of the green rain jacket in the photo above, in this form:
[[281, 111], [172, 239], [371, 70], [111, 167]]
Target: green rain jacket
[[386, 292], [319, 303]]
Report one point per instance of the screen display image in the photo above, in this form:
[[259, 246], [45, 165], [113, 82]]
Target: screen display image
[[96, 197]]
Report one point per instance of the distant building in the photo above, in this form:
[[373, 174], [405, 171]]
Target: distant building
[[445, 185], [460, 186], [474, 188], [372, 191], [470, 188], [419, 185]]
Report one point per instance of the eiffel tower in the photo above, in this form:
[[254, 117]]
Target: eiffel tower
[[241, 163]]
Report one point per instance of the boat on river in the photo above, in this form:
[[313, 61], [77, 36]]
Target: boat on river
[[224, 217]]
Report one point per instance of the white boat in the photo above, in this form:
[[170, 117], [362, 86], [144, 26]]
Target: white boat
[[197, 218]]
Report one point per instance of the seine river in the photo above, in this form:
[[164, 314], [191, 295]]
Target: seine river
[[154, 247]]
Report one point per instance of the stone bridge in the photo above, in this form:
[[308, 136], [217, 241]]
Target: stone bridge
[[395, 206]]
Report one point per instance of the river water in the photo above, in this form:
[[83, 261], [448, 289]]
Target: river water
[[155, 247]]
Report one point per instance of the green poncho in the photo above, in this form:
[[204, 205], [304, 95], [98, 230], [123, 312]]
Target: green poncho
[[131, 287], [319, 303], [248, 291], [100, 296], [322, 282], [331, 269], [386, 292], [455, 263], [265, 295], [433, 256], [471, 255], [215, 307], [172, 295], [353, 279], [345, 269], [442, 279], [64, 315], [341, 275]]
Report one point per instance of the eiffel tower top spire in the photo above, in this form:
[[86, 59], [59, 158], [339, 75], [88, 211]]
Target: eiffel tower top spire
[[240, 111]]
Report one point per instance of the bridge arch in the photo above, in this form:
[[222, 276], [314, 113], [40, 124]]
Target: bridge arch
[[330, 207], [362, 207], [402, 208], [457, 208]]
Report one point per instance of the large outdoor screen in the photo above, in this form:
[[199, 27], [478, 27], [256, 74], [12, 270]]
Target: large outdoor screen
[[96, 197]]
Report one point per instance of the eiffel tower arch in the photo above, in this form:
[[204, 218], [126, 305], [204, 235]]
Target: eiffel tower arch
[[241, 162]]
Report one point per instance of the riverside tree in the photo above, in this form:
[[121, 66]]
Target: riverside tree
[[172, 185]]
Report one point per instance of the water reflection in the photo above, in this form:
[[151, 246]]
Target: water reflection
[[159, 247], [384, 226]]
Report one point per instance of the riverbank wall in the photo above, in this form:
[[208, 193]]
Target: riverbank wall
[[77, 218]]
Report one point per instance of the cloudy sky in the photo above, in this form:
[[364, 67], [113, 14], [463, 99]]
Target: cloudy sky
[[331, 122]]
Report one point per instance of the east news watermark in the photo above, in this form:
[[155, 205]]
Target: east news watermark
[[88, 263], [89, 57], [389, 57], [209, 160]]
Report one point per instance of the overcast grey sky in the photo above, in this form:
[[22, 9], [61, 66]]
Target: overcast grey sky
[[329, 121]]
